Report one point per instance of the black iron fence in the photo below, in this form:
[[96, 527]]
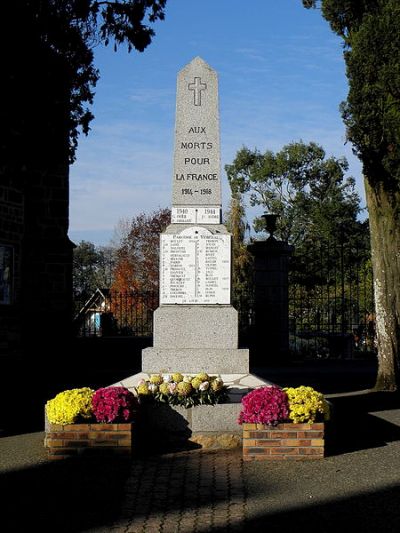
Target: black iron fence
[[331, 303], [107, 313]]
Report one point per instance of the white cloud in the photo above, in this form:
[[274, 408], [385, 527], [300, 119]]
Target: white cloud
[[151, 96]]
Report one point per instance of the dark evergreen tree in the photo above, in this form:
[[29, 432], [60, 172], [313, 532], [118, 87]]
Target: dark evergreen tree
[[49, 73], [370, 30], [93, 268]]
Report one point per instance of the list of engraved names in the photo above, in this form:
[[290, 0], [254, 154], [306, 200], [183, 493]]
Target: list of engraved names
[[195, 267]]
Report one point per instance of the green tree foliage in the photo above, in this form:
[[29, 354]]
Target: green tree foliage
[[308, 191], [318, 208], [371, 39], [48, 73], [92, 268]]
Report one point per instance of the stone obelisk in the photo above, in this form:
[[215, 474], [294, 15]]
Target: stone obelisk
[[195, 326]]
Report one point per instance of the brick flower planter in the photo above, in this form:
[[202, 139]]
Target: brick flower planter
[[293, 442], [88, 439]]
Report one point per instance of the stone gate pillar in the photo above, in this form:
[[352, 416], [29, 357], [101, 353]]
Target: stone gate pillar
[[270, 322]]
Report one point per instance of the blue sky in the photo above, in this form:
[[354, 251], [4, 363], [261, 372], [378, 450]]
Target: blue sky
[[281, 79]]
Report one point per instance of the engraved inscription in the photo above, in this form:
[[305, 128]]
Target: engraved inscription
[[196, 215], [195, 268], [196, 174]]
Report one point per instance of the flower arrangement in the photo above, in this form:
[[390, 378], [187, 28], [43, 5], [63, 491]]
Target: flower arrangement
[[272, 405], [113, 404], [265, 405], [183, 390], [110, 404], [306, 405]]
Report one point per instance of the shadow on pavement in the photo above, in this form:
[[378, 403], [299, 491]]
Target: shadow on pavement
[[72, 496], [327, 376], [354, 426], [64, 496], [374, 512]]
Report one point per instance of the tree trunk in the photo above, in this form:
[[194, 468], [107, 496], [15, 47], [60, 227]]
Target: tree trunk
[[384, 219]]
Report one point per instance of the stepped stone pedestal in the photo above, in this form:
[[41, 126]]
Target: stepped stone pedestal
[[209, 426]]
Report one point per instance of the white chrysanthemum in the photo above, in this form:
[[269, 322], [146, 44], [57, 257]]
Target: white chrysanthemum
[[172, 388]]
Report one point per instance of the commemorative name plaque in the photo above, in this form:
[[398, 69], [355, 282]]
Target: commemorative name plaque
[[195, 267]]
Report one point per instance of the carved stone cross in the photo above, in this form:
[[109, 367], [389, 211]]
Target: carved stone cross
[[197, 86]]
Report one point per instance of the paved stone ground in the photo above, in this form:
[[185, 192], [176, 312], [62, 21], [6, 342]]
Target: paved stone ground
[[356, 488], [193, 491]]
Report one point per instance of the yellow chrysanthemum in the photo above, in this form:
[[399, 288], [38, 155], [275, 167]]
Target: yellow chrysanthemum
[[305, 404], [143, 389], [156, 379], [164, 388], [217, 384], [202, 376], [184, 388], [177, 377], [69, 405], [196, 382]]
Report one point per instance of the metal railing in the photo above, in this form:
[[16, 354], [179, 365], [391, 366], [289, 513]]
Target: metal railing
[[331, 303], [108, 313]]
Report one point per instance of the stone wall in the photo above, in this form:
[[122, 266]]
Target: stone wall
[[11, 233], [34, 221]]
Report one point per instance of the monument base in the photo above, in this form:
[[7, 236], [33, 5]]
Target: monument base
[[208, 426]]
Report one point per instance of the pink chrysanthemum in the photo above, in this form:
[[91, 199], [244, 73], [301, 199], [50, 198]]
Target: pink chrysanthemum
[[266, 405], [113, 404]]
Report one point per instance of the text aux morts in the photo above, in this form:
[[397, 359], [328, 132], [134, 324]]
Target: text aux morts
[[197, 145]]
